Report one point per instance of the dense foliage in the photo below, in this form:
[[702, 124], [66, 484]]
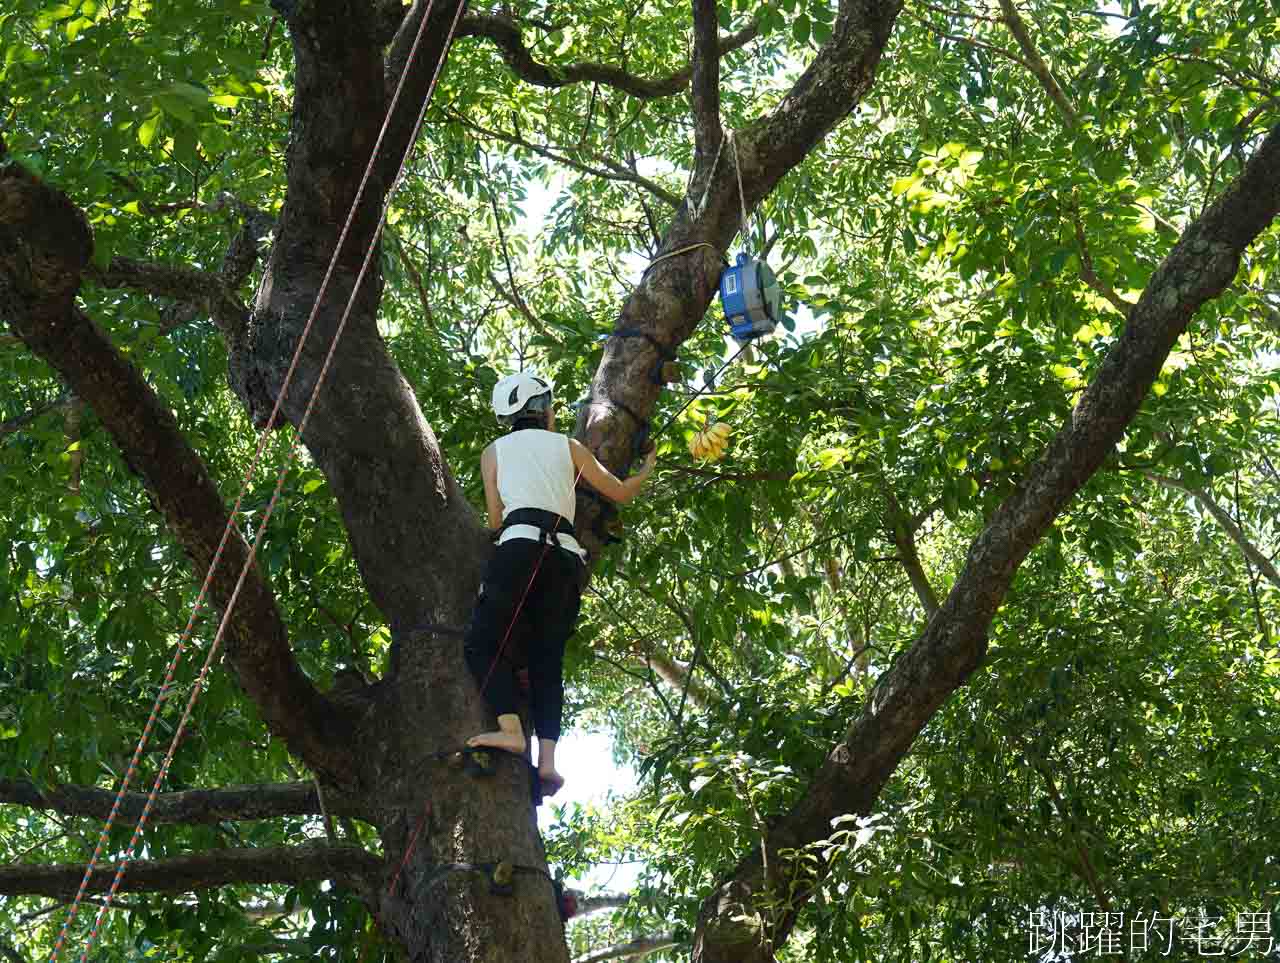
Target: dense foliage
[[962, 244]]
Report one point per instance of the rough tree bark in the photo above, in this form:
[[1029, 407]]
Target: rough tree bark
[[418, 544], [416, 541]]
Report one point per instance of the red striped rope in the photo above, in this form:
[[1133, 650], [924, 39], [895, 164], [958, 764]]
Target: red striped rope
[[199, 682]]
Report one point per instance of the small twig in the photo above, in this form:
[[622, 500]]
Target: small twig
[[266, 40], [514, 295], [1247, 121], [981, 44], [18, 422], [840, 676], [959, 13], [611, 170], [1090, 276], [791, 555], [416, 277]]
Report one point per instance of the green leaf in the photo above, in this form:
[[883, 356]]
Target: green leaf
[[74, 27], [147, 129], [904, 184]]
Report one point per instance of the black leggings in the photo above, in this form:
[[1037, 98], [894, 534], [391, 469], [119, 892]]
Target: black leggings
[[545, 621]]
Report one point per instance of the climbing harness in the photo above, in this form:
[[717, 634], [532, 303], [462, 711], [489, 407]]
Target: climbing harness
[[548, 524], [550, 541], [215, 646]]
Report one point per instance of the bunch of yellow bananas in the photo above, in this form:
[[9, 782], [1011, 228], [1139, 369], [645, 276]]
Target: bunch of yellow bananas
[[710, 443]]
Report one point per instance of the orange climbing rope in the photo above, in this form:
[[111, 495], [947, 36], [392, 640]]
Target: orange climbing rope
[[253, 549]]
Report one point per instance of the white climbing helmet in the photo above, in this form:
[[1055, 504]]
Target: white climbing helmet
[[514, 393]]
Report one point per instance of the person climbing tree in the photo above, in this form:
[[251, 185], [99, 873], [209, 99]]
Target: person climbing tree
[[529, 480]]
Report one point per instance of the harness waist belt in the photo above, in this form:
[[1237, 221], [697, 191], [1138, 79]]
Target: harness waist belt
[[546, 522]]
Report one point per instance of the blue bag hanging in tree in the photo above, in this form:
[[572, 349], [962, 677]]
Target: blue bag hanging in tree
[[751, 297], [749, 290]]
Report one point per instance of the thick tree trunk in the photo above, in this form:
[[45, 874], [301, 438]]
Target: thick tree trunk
[[420, 551], [417, 541], [442, 915]]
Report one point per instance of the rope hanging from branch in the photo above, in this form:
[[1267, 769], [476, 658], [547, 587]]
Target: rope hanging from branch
[[215, 646]]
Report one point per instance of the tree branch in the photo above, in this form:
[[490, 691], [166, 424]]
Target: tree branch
[[828, 91], [633, 949], [603, 901], [1021, 33], [45, 245], [611, 170], [18, 422], [513, 294], [1225, 521], [416, 277], [705, 89], [243, 251], [505, 34], [981, 45], [199, 290], [953, 645], [1090, 276], [673, 294], [790, 555], [904, 538], [257, 801], [185, 874], [715, 476], [963, 14], [677, 674], [195, 292], [431, 51]]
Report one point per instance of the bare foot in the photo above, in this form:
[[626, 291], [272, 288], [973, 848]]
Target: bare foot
[[509, 741], [551, 781]]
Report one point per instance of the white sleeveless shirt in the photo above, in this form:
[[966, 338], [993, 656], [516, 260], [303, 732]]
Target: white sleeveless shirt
[[535, 470]]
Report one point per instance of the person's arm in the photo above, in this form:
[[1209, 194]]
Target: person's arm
[[603, 480], [492, 501]]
